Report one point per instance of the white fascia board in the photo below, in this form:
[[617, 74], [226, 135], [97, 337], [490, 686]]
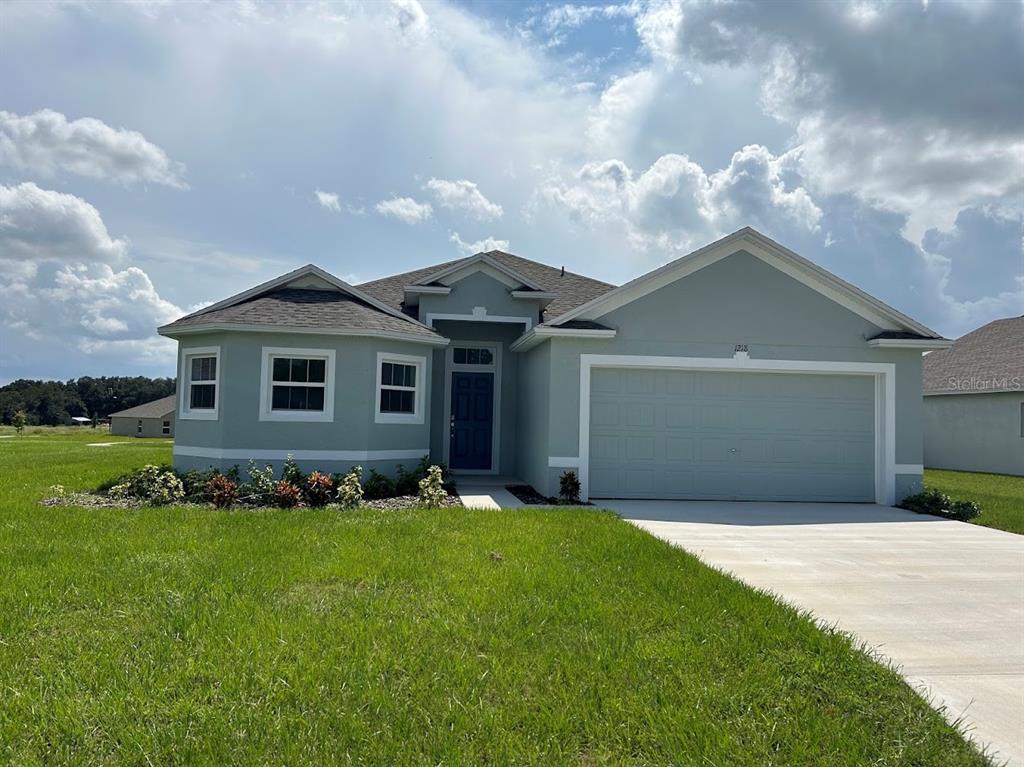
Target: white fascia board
[[539, 295], [541, 333], [454, 272], [769, 251], [292, 276], [430, 290], [910, 343], [355, 332]]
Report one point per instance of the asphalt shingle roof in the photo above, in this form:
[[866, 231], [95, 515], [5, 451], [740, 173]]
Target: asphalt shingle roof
[[155, 409], [293, 307], [989, 359], [573, 289]]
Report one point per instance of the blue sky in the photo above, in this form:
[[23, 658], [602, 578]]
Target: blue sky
[[158, 156]]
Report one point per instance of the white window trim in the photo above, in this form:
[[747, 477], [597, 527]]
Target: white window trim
[[419, 398], [479, 314], [451, 366], [885, 400], [184, 411], [267, 413]]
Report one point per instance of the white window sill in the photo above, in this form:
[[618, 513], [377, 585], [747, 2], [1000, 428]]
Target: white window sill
[[410, 418], [198, 415], [298, 416]]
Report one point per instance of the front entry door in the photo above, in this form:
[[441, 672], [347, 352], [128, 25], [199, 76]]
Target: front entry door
[[472, 420]]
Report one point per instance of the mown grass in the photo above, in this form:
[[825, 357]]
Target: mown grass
[[188, 636], [1001, 497]]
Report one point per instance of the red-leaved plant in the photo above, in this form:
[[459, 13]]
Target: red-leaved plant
[[319, 489], [222, 491], [287, 495]]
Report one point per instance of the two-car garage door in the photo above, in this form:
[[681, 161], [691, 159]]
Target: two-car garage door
[[731, 436]]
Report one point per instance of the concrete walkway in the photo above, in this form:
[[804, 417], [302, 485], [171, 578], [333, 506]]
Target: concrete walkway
[[943, 600], [486, 492]]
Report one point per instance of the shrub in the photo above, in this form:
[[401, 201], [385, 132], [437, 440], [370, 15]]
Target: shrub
[[290, 472], [319, 489], [261, 482], [350, 489], [933, 501], [150, 484], [378, 486], [431, 488], [195, 484], [222, 491], [19, 420], [287, 495], [406, 482], [569, 487]]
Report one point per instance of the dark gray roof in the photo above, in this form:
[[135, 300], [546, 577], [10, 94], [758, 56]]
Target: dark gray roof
[[900, 335], [292, 307], [582, 325], [573, 289], [158, 408], [989, 359]]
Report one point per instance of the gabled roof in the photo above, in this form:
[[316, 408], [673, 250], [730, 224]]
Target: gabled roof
[[308, 299], [155, 409], [480, 259], [989, 359], [771, 252], [572, 289]]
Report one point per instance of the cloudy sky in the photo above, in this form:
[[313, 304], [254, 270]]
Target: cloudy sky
[[157, 156]]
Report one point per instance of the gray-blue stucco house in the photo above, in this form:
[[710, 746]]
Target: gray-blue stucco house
[[740, 371]]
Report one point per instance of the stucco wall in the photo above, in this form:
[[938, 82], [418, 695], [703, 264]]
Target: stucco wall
[[479, 290], [974, 432], [738, 300], [151, 427], [532, 427], [238, 426]]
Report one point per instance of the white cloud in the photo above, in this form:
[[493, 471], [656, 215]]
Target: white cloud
[[675, 204], [464, 195], [45, 142], [328, 200], [39, 225], [405, 209], [480, 246]]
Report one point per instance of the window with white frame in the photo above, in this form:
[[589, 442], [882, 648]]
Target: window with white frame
[[297, 385], [470, 355], [138, 429], [165, 428], [201, 370], [400, 388]]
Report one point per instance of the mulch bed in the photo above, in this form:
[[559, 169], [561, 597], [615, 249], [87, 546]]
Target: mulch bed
[[531, 497], [96, 501]]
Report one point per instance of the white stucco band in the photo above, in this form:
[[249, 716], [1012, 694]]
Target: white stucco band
[[299, 455], [884, 374]]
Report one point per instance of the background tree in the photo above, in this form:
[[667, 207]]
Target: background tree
[[53, 402], [20, 419]]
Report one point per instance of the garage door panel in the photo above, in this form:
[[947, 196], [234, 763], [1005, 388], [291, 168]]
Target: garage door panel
[[716, 435]]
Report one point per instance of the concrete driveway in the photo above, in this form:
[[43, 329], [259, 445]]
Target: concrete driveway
[[943, 600]]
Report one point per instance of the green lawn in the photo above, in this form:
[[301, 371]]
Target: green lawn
[[451, 637], [1001, 497]]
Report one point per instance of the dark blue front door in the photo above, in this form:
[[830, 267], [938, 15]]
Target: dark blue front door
[[472, 424]]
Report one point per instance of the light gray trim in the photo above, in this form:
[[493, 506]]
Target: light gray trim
[[450, 366], [299, 455], [419, 398], [354, 332], [885, 399], [267, 413], [538, 334], [538, 295], [563, 462], [430, 290], [772, 253], [185, 354], [910, 343], [479, 315]]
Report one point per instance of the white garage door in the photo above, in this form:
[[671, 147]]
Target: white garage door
[[731, 436]]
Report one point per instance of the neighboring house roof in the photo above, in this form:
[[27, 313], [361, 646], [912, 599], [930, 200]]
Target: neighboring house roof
[[155, 409], [572, 289], [989, 359], [307, 309]]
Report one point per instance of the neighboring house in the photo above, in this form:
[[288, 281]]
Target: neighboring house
[[153, 419], [79, 420], [740, 371], [974, 401]]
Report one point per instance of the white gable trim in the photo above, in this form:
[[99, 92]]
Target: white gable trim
[[481, 262], [910, 343], [769, 251], [298, 276]]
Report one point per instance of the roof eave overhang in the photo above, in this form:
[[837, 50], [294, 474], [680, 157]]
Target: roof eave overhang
[[539, 334], [927, 344], [169, 331]]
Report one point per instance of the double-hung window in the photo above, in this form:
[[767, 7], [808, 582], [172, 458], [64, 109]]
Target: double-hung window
[[297, 385], [399, 388], [200, 369]]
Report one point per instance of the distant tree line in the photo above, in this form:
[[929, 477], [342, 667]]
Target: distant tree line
[[49, 403]]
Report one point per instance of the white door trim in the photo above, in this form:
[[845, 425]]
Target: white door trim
[[495, 369], [885, 399]]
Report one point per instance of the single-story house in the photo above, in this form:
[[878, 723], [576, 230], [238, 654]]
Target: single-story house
[[79, 420], [152, 419], [740, 371], [974, 401]]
